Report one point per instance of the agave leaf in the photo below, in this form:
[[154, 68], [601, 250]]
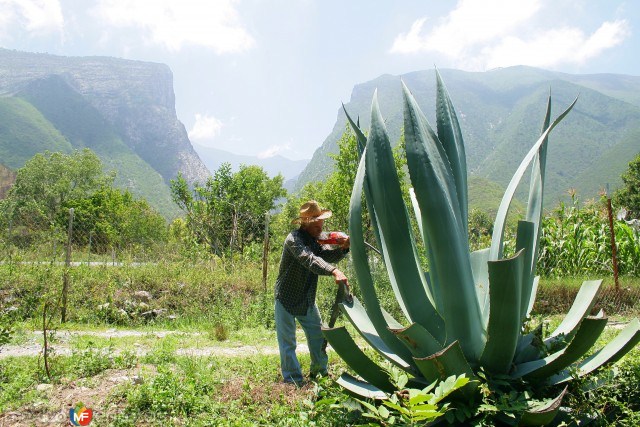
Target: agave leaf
[[360, 389], [543, 414], [358, 317], [480, 269], [361, 139], [586, 336], [536, 190], [445, 363], [501, 216], [349, 351], [532, 296], [363, 271], [610, 353], [580, 308], [399, 251], [505, 290], [525, 240], [418, 340], [526, 350], [437, 197], [450, 135], [432, 279], [362, 143]]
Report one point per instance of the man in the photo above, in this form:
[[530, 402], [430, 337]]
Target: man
[[303, 259]]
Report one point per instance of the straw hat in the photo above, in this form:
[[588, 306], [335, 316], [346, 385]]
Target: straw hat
[[310, 212]]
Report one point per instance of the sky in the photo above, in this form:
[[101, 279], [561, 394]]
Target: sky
[[267, 77]]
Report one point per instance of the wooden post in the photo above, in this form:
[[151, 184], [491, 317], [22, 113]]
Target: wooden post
[[265, 264], [614, 252], [67, 264]]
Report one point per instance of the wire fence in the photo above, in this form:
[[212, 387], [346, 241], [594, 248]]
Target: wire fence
[[71, 244]]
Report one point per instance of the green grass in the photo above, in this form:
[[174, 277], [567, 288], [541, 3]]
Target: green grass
[[218, 305]]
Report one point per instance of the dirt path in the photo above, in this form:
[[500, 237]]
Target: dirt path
[[33, 346]]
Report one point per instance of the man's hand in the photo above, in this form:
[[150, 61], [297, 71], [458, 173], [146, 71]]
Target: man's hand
[[344, 243], [340, 277]]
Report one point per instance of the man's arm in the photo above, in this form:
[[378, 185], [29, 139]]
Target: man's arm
[[303, 253]]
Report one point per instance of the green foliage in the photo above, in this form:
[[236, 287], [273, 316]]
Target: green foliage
[[113, 218], [48, 181], [629, 195], [576, 241], [229, 211], [412, 406]]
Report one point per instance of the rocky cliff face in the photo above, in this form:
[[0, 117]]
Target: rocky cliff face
[[135, 97]]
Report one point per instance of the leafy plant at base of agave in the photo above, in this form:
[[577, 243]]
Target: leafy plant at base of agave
[[466, 314]]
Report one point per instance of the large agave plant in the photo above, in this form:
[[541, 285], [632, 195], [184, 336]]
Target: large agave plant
[[467, 312]]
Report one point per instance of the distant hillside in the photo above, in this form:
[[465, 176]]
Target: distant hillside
[[501, 113], [213, 158], [24, 131], [123, 110]]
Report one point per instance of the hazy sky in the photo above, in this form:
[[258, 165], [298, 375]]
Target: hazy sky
[[266, 77]]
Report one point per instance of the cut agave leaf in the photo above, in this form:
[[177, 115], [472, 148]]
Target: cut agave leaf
[[360, 389], [580, 308], [505, 289], [358, 317], [587, 335], [610, 353], [543, 414], [349, 351], [450, 361], [418, 340]]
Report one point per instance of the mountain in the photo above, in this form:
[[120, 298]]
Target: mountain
[[501, 113], [214, 157], [123, 110]]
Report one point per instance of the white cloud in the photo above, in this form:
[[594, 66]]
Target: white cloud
[[274, 150], [213, 24], [557, 46], [471, 23], [37, 17], [488, 34], [205, 129]]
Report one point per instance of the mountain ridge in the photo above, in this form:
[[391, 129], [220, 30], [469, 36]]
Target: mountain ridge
[[501, 113]]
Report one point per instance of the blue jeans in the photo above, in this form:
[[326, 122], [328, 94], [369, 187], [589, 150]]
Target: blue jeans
[[286, 332]]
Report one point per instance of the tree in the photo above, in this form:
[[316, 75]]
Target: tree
[[48, 180], [335, 192], [629, 195], [111, 217], [228, 212]]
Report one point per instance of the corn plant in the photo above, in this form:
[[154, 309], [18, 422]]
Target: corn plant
[[466, 314]]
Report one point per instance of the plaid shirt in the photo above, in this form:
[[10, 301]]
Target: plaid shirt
[[303, 259]]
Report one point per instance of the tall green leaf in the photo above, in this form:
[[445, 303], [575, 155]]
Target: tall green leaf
[[397, 242], [434, 185], [501, 216], [450, 135], [362, 269], [505, 290]]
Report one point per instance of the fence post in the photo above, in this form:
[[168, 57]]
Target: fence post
[[265, 258], [614, 253], [89, 251], [67, 264]]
